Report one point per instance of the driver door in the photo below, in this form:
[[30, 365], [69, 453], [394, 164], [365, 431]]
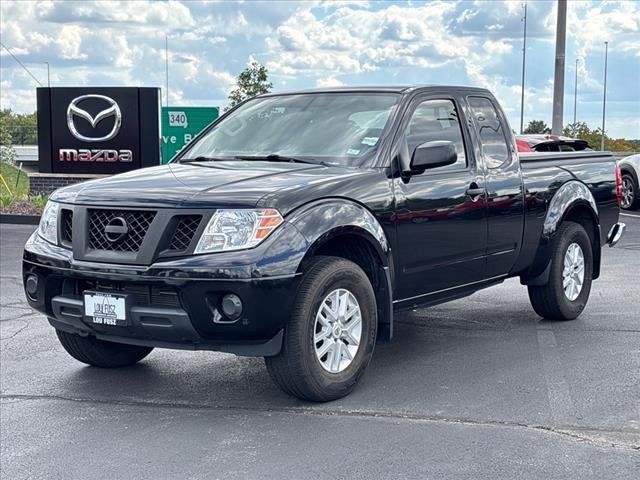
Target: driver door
[[441, 219]]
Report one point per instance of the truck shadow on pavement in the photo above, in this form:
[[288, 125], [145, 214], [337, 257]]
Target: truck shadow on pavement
[[436, 360]]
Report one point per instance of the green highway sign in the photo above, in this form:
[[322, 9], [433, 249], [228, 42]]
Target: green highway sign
[[181, 124]]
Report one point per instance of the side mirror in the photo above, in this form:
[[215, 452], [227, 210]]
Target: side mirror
[[433, 154]]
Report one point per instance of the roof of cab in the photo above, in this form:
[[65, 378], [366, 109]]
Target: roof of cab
[[380, 89]]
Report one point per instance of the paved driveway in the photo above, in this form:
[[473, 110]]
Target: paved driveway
[[477, 388]]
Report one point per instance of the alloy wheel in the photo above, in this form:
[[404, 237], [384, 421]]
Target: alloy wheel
[[573, 272], [338, 330], [628, 192]]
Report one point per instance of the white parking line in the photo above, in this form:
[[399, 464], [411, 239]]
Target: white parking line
[[634, 215]]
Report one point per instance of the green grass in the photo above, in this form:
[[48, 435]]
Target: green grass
[[39, 201], [16, 180], [14, 192]]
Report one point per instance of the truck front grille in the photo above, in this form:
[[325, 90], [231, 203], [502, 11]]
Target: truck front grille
[[184, 232], [137, 224], [66, 227]]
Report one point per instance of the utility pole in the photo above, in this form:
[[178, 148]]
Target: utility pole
[[604, 95], [166, 68], [558, 79], [575, 99], [524, 54], [48, 77]]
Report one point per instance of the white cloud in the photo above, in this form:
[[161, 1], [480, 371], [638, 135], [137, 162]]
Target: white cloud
[[329, 82], [355, 40], [498, 47], [345, 3], [592, 25], [69, 41], [306, 44]]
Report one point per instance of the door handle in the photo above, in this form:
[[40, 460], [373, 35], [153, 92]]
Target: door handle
[[474, 190]]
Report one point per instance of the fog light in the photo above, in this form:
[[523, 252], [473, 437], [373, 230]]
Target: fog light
[[231, 306], [31, 286]]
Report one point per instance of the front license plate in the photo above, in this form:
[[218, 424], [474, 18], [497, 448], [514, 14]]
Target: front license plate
[[105, 308]]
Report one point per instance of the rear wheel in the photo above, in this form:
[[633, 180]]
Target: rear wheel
[[99, 353], [629, 192], [567, 291], [330, 337]]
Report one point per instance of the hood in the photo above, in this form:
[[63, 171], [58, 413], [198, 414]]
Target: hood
[[204, 184]]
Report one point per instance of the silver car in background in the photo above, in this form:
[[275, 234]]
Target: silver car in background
[[630, 169]]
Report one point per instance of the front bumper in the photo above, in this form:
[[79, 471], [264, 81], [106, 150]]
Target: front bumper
[[174, 304]]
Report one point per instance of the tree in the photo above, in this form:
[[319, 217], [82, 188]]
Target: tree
[[18, 128], [5, 132], [618, 145], [635, 144], [582, 131], [25, 129], [537, 126], [252, 81]]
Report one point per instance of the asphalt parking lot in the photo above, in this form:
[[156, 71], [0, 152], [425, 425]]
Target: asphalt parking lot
[[477, 388]]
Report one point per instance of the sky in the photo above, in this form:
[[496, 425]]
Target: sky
[[315, 44]]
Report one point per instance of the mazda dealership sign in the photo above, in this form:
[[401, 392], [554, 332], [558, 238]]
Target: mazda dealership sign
[[98, 130], [113, 110]]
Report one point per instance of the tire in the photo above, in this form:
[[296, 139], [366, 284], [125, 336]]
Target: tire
[[550, 301], [99, 353], [300, 369], [629, 192]]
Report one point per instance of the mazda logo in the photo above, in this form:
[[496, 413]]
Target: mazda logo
[[116, 229], [74, 111]]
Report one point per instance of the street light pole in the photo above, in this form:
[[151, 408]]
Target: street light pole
[[48, 77], [524, 53], [604, 95], [575, 99], [166, 67], [558, 79]]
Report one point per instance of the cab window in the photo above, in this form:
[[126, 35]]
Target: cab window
[[490, 132], [436, 120]]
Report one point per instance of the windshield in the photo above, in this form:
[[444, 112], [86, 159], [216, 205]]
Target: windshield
[[335, 128]]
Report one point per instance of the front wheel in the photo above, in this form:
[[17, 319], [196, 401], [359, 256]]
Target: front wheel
[[329, 339], [567, 291]]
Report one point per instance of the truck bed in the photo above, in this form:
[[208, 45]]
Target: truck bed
[[562, 159], [544, 173]]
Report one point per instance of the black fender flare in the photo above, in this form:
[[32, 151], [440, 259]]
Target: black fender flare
[[569, 196], [322, 220]]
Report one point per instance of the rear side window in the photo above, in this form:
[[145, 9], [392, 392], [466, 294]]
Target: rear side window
[[491, 134], [436, 120]]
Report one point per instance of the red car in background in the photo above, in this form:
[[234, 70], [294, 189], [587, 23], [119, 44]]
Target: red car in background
[[550, 143]]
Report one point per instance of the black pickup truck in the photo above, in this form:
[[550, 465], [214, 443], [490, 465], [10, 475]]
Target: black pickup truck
[[297, 224]]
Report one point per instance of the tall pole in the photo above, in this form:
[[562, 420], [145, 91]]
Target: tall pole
[[575, 99], [524, 54], [48, 77], [558, 79], [166, 68], [604, 95]]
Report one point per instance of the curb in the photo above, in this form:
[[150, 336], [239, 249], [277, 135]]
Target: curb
[[19, 219]]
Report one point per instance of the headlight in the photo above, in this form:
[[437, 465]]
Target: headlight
[[237, 229], [48, 228]]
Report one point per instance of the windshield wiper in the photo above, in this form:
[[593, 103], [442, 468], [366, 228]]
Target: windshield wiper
[[203, 159], [274, 157]]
